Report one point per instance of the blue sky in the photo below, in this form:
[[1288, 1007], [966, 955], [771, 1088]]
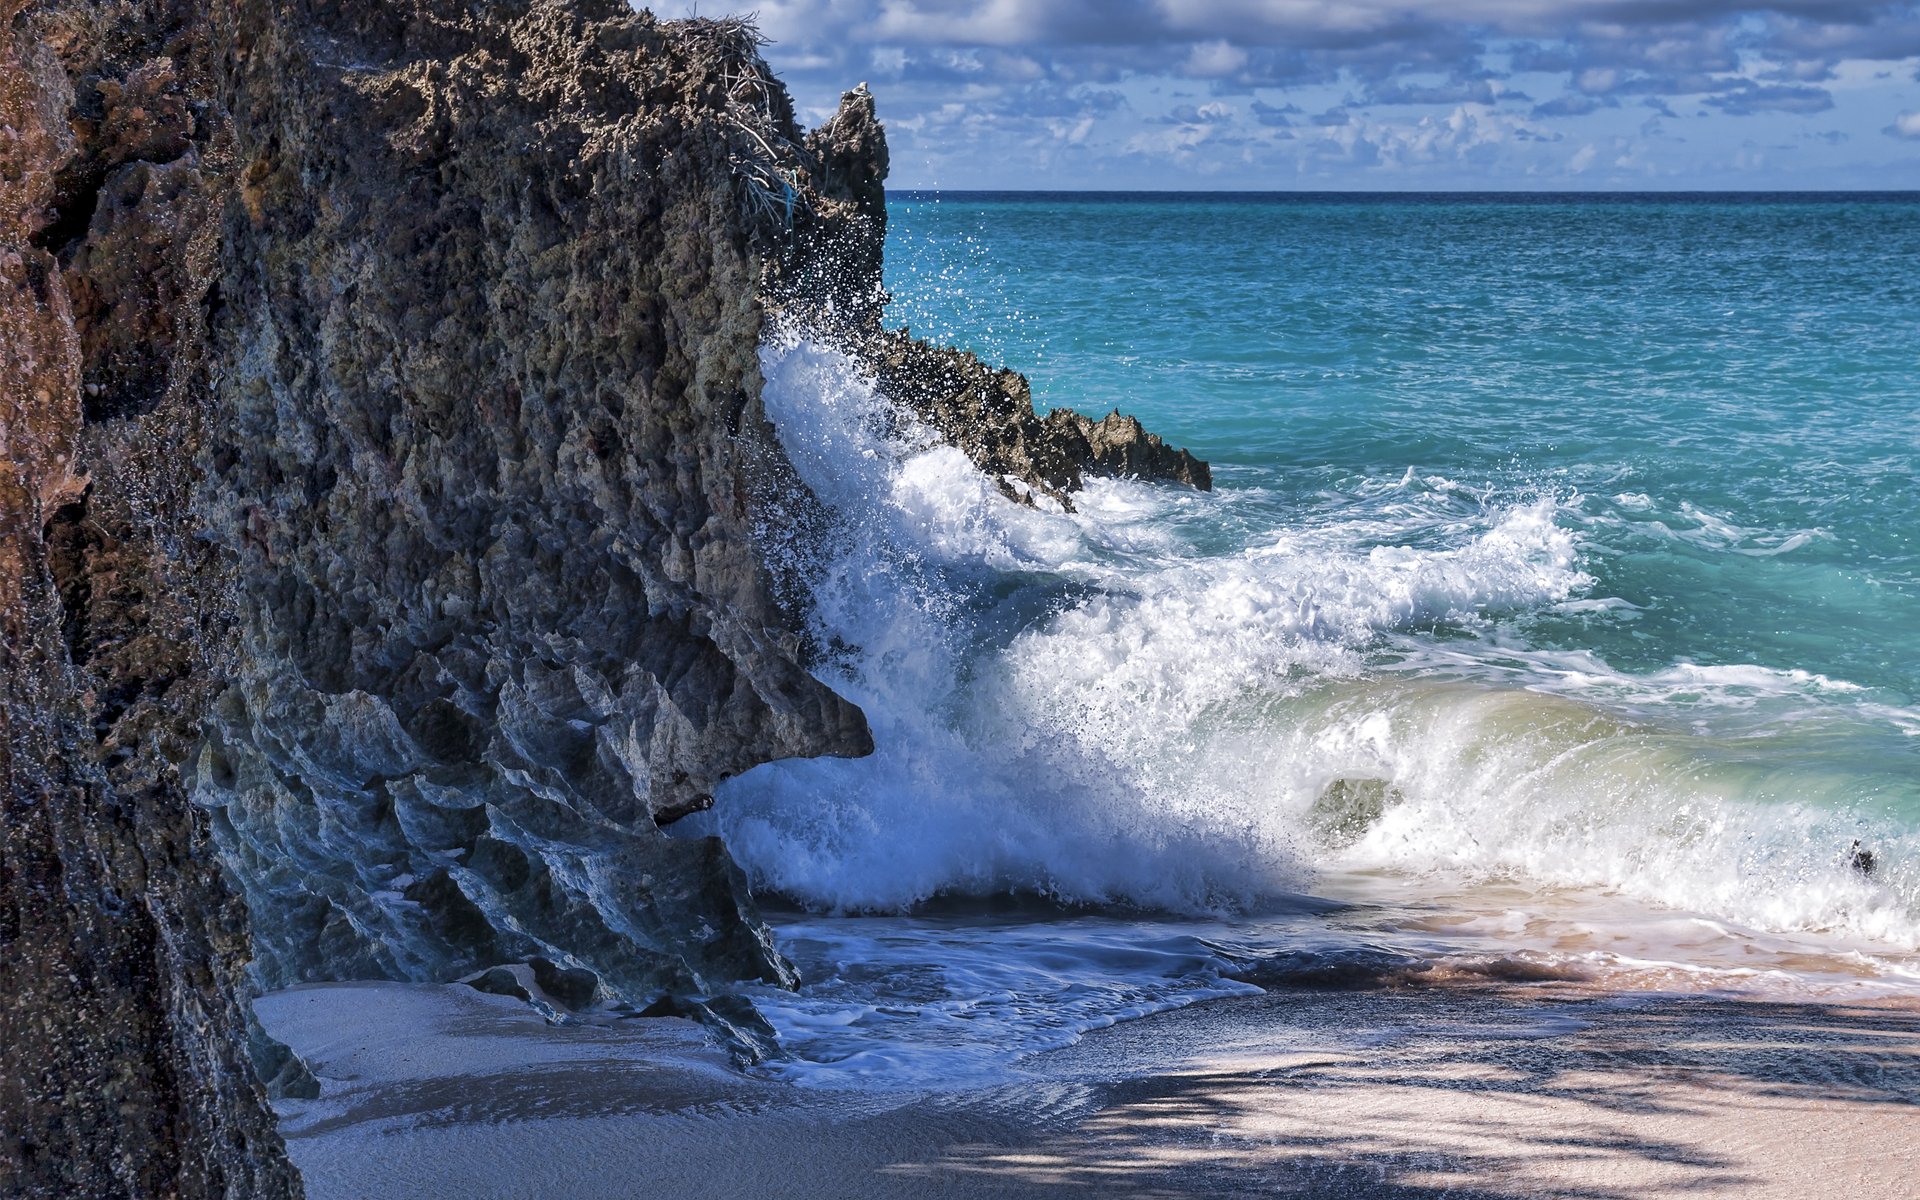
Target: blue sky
[[1367, 94]]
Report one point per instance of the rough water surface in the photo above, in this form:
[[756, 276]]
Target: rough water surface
[[1550, 615]]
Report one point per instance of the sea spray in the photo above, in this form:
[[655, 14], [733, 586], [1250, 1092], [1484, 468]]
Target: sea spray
[[1178, 717], [1076, 705], [1540, 627], [1097, 708]]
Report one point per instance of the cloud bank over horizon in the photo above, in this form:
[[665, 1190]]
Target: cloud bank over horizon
[[1390, 94]]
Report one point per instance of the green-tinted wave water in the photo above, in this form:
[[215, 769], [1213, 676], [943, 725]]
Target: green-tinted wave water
[[1723, 392], [1554, 617]]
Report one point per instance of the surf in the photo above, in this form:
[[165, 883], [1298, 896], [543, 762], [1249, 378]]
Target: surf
[[1095, 708]]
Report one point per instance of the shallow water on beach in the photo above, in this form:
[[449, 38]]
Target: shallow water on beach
[[1554, 617], [957, 995]]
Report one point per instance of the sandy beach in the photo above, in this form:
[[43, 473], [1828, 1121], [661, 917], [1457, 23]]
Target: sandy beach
[[1477, 1092]]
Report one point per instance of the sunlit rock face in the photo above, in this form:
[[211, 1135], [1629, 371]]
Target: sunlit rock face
[[490, 468]]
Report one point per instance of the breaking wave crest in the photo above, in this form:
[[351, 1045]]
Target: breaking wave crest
[[1112, 706]]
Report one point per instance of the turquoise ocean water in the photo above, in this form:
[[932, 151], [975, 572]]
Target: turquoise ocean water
[[1558, 603]]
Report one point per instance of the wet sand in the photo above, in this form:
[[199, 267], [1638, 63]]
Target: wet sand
[[1483, 1091]]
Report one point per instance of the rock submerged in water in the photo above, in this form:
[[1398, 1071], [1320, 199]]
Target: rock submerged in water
[[1348, 807], [1861, 859]]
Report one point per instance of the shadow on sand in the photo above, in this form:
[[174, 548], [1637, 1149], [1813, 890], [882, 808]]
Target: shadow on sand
[[1467, 1093]]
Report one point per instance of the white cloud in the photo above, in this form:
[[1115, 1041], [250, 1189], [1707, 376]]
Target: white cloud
[[1597, 81], [1073, 134], [1463, 94], [1177, 141], [1215, 59]]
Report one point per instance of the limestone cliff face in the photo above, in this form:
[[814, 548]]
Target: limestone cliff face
[[385, 470], [487, 457], [390, 518], [123, 1064]]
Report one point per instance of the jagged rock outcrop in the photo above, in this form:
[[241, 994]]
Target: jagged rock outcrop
[[830, 284], [989, 414], [488, 459], [389, 503]]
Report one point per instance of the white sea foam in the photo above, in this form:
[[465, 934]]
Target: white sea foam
[[915, 1003], [1086, 706], [1703, 529]]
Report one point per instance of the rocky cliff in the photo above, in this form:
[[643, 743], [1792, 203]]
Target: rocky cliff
[[123, 1064], [389, 506], [487, 457]]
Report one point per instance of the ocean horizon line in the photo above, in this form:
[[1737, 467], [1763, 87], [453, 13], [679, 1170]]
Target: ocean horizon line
[[1507, 195]]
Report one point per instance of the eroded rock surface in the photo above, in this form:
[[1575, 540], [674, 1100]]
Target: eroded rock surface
[[989, 414], [123, 1044], [831, 287], [490, 464], [388, 502]]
